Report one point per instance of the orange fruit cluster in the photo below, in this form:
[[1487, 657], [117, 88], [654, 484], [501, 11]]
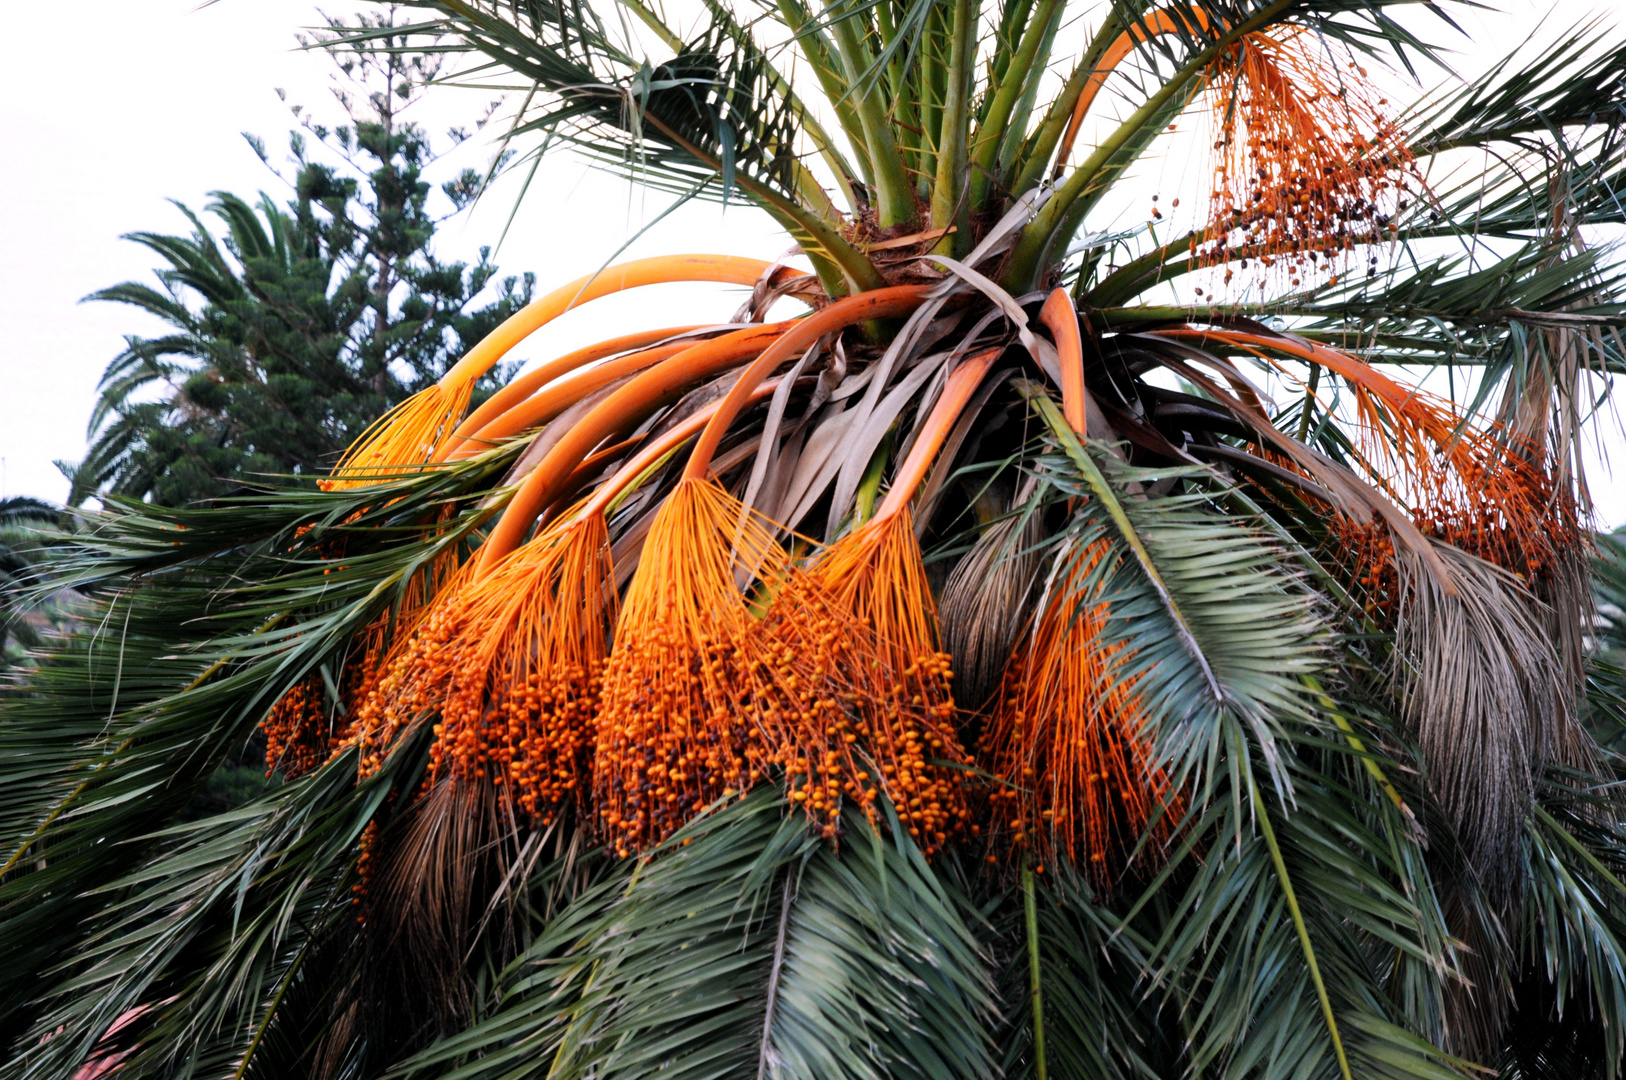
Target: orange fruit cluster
[[700, 700], [1069, 739], [902, 723], [511, 663], [1307, 165]]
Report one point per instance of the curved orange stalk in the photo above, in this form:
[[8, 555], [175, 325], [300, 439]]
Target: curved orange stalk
[[849, 311], [684, 370], [1059, 316], [408, 434], [532, 381], [550, 402], [624, 408], [1152, 24]]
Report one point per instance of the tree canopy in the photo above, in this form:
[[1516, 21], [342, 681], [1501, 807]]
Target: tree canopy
[[303, 321]]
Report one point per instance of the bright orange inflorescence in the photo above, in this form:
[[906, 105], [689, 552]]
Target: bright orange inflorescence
[[402, 439], [698, 703], [1068, 738], [512, 661], [1478, 488], [904, 725], [1306, 164]]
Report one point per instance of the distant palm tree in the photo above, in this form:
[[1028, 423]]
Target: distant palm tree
[[1073, 647], [21, 520]]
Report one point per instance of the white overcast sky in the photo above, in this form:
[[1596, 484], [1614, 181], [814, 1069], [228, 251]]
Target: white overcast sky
[[147, 104]]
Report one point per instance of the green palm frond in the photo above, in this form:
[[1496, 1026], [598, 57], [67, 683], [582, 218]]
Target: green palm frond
[[747, 948]]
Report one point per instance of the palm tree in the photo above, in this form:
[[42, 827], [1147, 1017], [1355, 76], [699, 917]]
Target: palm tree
[[22, 521], [1009, 667]]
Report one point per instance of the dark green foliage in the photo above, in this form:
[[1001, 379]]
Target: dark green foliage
[[1606, 663], [24, 526], [301, 323]]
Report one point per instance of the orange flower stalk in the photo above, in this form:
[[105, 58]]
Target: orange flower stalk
[[696, 707], [1151, 25], [902, 737], [627, 406], [409, 434], [1068, 737], [1475, 487], [555, 399]]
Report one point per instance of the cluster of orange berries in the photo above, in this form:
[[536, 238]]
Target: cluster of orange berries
[[1066, 738], [683, 722], [888, 725], [298, 735], [1309, 175]]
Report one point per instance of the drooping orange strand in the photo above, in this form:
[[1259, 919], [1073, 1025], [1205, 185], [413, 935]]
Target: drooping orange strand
[[1307, 164], [307, 725], [408, 435], [696, 705], [1474, 486], [532, 381], [512, 662], [868, 595], [1068, 738]]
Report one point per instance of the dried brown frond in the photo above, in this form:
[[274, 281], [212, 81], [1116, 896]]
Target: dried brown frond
[[1483, 688]]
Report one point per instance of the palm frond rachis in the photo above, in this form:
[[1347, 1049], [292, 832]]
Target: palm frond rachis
[[1276, 767]]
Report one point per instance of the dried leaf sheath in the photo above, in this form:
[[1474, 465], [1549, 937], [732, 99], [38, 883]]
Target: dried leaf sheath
[[698, 705], [1068, 737]]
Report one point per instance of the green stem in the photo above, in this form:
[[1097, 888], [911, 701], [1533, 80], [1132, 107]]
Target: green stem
[[1036, 159], [894, 196], [1015, 80], [1309, 402], [1030, 909], [827, 69], [1263, 816], [947, 206]]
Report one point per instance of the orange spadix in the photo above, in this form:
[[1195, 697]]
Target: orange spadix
[[1476, 487], [409, 434], [512, 660], [698, 703], [1069, 738], [900, 737], [695, 708]]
